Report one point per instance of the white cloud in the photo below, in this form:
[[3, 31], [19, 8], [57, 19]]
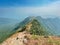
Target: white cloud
[[52, 9]]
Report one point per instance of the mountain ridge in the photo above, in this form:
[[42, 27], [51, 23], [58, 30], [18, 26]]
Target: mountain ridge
[[47, 23], [33, 32], [29, 20]]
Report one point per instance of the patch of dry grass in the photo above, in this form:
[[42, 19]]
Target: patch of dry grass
[[41, 40]]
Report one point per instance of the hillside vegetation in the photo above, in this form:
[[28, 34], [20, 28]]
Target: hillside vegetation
[[35, 30]]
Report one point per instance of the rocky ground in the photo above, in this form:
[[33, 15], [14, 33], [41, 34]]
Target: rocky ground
[[22, 38], [16, 39]]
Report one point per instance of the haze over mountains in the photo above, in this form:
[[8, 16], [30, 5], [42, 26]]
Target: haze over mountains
[[50, 26], [53, 24], [6, 25]]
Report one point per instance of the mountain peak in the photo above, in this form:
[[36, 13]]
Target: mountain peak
[[34, 27], [46, 25]]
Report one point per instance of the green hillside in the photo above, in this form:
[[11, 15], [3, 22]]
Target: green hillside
[[37, 28], [31, 24]]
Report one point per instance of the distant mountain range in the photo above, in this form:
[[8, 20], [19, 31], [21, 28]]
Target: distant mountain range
[[7, 20], [40, 26], [6, 26], [52, 25], [6, 23]]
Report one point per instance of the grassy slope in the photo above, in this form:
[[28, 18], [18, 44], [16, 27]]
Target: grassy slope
[[41, 40], [5, 32], [36, 29]]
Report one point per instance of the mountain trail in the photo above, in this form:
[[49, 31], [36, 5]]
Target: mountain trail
[[16, 39]]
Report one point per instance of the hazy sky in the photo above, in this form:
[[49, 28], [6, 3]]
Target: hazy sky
[[19, 9]]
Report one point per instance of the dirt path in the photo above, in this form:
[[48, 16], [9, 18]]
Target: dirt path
[[16, 39]]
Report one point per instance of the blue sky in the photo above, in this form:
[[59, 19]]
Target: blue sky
[[24, 2], [19, 9]]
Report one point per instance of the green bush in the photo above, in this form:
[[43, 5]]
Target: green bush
[[37, 28]]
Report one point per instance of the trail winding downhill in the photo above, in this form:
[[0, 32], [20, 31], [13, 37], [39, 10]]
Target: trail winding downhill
[[16, 39]]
